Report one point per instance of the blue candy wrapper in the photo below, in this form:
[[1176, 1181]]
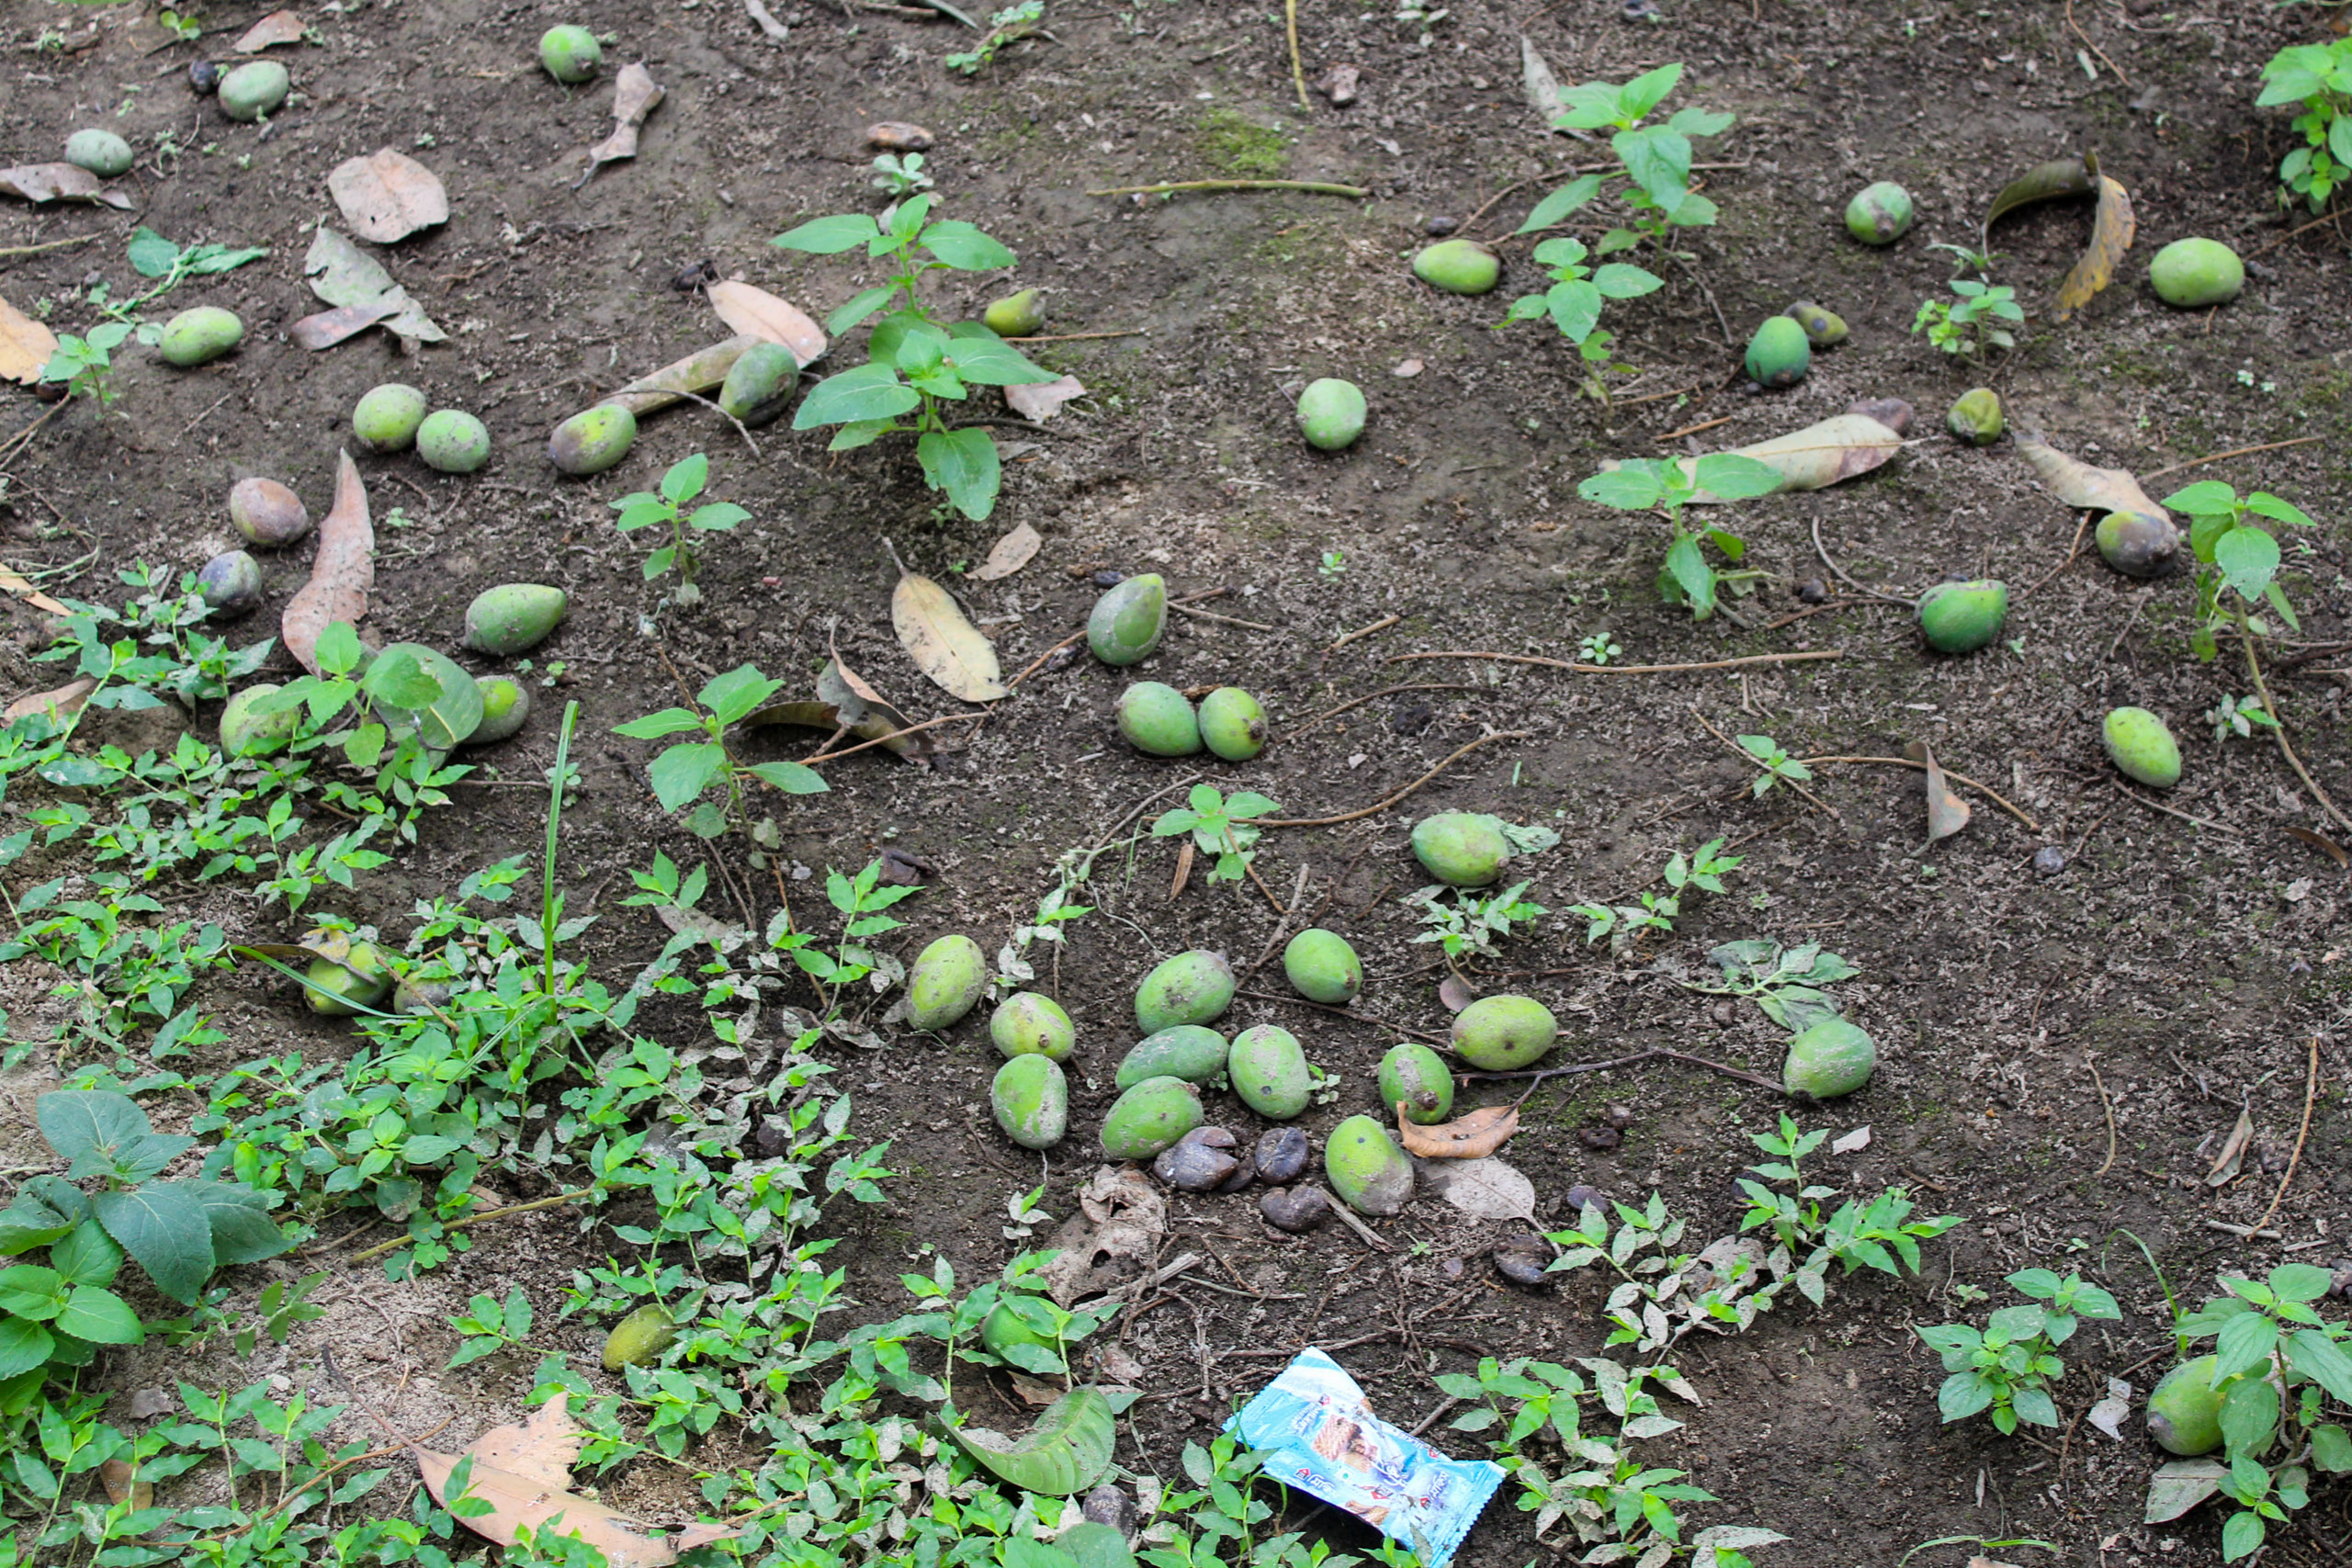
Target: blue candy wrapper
[[1321, 1437]]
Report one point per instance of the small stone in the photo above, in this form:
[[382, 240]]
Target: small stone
[[1438, 228], [1339, 84], [1215, 1137], [1523, 1261], [1600, 1137], [1193, 1168], [1296, 1210], [1107, 1505], [897, 136], [1618, 1115], [1280, 1154], [1813, 590], [2048, 859], [203, 78], [1107, 579]]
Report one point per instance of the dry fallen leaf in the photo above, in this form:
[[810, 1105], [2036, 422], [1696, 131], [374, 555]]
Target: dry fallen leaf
[[59, 702], [1484, 1189], [278, 26], [1112, 1238], [2232, 1156], [24, 345], [2079, 484], [1946, 813], [635, 95], [2109, 1414], [760, 314], [1184, 872], [1039, 401], [387, 196], [59, 182], [1535, 77], [875, 726], [2063, 176], [945, 647], [697, 373], [11, 583], [2112, 227], [1455, 993], [2325, 846], [342, 575], [349, 278], [1010, 554], [524, 1474], [1473, 1136], [1031, 1392], [1835, 448]]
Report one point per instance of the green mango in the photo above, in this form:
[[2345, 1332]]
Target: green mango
[[2193, 273], [1823, 328], [255, 89], [2137, 544], [1026, 1023], [1127, 623], [453, 441], [1976, 416], [639, 1337], [1184, 1051], [2185, 1411], [1150, 1117], [1961, 617], [1232, 723], [945, 982], [1466, 849], [505, 703], [2141, 748], [102, 153], [385, 418], [445, 720], [513, 617], [1192, 988], [1458, 266], [346, 975], [1031, 1099], [1322, 968], [1831, 1058], [1779, 355], [1269, 1071], [199, 335], [1497, 1035], [245, 733], [1331, 414], [760, 385], [1015, 315], [1366, 1168], [1417, 1076], [1155, 719], [593, 440], [570, 54], [1880, 214]]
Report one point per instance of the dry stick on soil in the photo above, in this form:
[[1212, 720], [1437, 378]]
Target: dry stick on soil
[[1695, 429], [1821, 550], [1381, 624], [1298, 73], [1375, 696], [1536, 1075], [1383, 805], [821, 755], [398, 1242], [2335, 217], [2233, 452], [2105, 1105], [1753, 761], [2127, 82], [2071, 551], [1628, 669], [2311, 1089], [2154, 806], [2279, 729], [1222, 620], [1421, 1034], [1986, 790], [725, 415], [1323, 185], [1281, 927], [1079, 337], [50, 245]]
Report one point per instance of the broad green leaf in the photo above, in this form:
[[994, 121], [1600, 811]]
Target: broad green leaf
[[992, 362], [684, 771], [1587, 106], [1576, 307], [86, 1256], [100, 1317], [1646, 92], [829, 236], [964, 464], [653, 726], [1065, 1453], [916, 353], [1735, 478], [23, 1346], [964, 247], [397, 680], [2204, 497], [151, 255], [2262, 503], [1618, 281], [740, 690], [793, 778], [2244, 1342], [209, 259], [1962, 1395], [1561, 202], [1695, 121], [882, 344], [2035, 1406], [243, 1231], [1659, 162], [2241, 1537], [29, 1290], [2249, 1417], [2323, 1360], [1629, 489], [686, 479], [164, 1227], [2332, 1448], [79, 1122], [2205, 530], [855, 308], [718, 516], [2249, 559], [868, 392], [859, 432], [47, 1207], [1695, 211], [1560, 252], [2300, 1282], [1688, 570]]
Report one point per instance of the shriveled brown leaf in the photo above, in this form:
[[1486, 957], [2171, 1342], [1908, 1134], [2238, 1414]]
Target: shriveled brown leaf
[[327, 328], [278, 26], [945, 647], [123, 1485], [1542, 87], [1039, 401], [760, 314], [2112, 227], [2232, 1156], [59, 182], [1184, 872], [1009, 554], [1455, 993], [1112, 1238], [24, 345], [59, 702], [2325, 846], [635, 95], [2078, 483], [1473, 1136], [697, 373], [11, 583], [1946, 813], [387, 196], [850, 691], [524, 1472], [343, 574], [2062, 176], [349, 278], [1031, 1392], [1822, 454]]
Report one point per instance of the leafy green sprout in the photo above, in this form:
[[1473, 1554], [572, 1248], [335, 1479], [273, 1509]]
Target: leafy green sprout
[[153, 256], [1008, 26], [1778, 766], [2006, 1367], [1656, 159], [1966, 327], [1577, 295], [898, 176], [668, 506], [1668, 485], [684, 771], [1704, 869], [1333, 565], [2318, 77], [2238, 715], [1599, 649], [1462, 920], [84, 365], [1221, 826], [2238, 559], [915, 367]]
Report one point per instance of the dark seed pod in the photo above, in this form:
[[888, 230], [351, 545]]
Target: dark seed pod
[[1438, 228], [1580, 1198], [1523, 1261], [203, 77], [1300, 1209], [2048, 859], [1600, 1137], [1282, 1154], [1194, 1167], [1107, 1505]]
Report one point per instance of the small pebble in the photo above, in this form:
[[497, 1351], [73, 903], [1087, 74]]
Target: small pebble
[[2050, 860], [1813, 590], [1107, 579], [1524, 1259], [1280, 1154], [203, 77], [1618, 1115], [1600, 1137], [1296, 1210], [1107, 1505], [1438, 228], [1193, 1168], [1411, 718]]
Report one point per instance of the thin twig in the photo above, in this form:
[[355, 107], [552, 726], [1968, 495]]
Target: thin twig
[[1986, 790], [1079, 337], [1375, 696], [1346, 1014], [1298, 73], [1040, 660], [1379, 805], [1823, 551], [1538, 1073], [723, 415], [1752, 760], [1695, 429], [2071, 551], [821, 755], [1326, 186], [2094, 48], [47, 245], [2233, 452], [397, 1241], [2158, 805], [1628, 669], [2278, 725], [2311, 1089], [1223, 620], [2108, 1108], [1281, 927], [2305, 229], [1381, 624]]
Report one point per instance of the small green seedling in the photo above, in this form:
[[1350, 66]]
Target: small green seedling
[[2008, 1366], [2236, 555], [1464, 921], [1576, 299], [153, 256], [898, 176], [1220, 826], [1668, 485], [1008, 26], [1966, 327], [684, 481], [84, 365], [684, 771], [1778, 766], [1624, 923], [2319, 78], [1598, 649], [2238, 715]]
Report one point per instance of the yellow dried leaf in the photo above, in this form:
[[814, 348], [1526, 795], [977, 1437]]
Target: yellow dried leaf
[[2112, 227], [945, 647], [760, 314], [1473, 1136], [24, 345]]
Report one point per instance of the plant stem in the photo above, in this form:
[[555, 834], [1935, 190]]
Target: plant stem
[[1325, 187], [2278, 725], [397, 1241]]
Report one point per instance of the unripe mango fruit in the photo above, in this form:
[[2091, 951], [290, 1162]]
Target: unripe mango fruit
[[1026, 1023], [255, 89], [451, 716], [1458, 266], [1497, 1035], [385, 418], [2136, 543], [1192, 988], [102, 153], [593, 440], [760, 384], [1831, 1058], [1821, 328], [1269, 1071], [1780, 353], [245, 733], [199, 335], [1322, 968], [2141, 748], [570, 54], [945, 982], [2192, 274], [2185, 1411], [1030, 1097], [265, 512], [1150, 1117], [1419, 1076], [505, 703], [1183, 1051], [1976, 416], [639, 1337], [1461, 847], [1366, 1168], [230, 583], [1961, 617], [1015, 315], [346, 977], [453, 441], [1127, 623], [1880, 214], [1154, 718], [1233, 724], [1331, 414], [513, 617]]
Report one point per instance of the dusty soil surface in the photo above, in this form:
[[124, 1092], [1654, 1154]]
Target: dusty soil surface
[[2063, 1055]]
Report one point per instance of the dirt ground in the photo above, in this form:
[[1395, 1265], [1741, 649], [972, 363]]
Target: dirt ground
[[2063, 1055]]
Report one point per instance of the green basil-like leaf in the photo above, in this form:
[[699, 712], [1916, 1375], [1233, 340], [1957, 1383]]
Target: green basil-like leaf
[[963, 463], [828, 236], [965, 248], [868, 392], [793, 778], [164, 1226], [684, 771]]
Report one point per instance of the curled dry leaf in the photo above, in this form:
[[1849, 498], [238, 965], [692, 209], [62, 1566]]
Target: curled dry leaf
[[2063, 176], [387, 196], [2079, 484], [59, 702], [945, 647], [760, 314], [1946, 813], [278, 26], [343, 574], [1008, 555], [524, 1474], [2324, 845], [58, 182], [24, 345], [2227, 1164], [1837, 448], [697, 373], [363, 292], [2109, 1414], [2179, 1486], [1473, 1136], [1111, 1240], [1340, 85], [2112, 228], [1039, 401], [123, 1485], [1542, 88], [1455, 993], [635, 95]]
